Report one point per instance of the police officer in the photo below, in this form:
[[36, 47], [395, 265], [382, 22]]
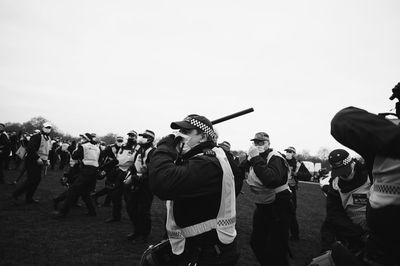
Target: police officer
[[88, 153], [198, 181], [107, 168], [38, 149], [346, 203], [138, 196], [290, 152], [268, 174], [125, 158], [377, 140]]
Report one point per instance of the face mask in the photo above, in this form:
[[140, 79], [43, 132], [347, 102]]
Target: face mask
[[46, 130], [260, 149], [142, 140], [188, 142], [130, 141]]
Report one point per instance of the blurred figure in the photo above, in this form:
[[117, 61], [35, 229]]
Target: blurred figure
[[293, 185], [53, 156], [4, 151], [88, 153], [125, 158], [138, 196], [37, 157], [107, 168]]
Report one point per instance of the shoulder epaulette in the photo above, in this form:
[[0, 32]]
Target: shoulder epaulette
[[210, 153]]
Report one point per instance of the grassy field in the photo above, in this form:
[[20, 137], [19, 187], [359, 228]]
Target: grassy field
[[29, 236]]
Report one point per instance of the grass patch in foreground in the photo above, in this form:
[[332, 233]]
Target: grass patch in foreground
[[29, 236]]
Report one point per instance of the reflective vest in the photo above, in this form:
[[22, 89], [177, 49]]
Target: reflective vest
[[225, 221], [355, 202], [44, 148], [262, 194], [126, 158], [386, 187], [140, 162], [91, 154]]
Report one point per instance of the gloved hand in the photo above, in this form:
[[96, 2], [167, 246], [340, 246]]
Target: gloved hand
[[167, 140], [253, 152]]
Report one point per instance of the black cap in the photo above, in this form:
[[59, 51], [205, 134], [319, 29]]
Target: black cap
[[148, 134], [195, 121], [340, 161], [87, 136]]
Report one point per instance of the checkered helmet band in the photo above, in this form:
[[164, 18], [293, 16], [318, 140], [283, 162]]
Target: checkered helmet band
[[347, 160], [203, 127]]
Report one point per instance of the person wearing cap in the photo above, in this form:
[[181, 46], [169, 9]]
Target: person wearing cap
[[268, 174], [377, 140], [294, 166], [226, 146], [4, 150], [198, 180], [125, 158], [88, 153], [346, 203], [137, 195], [37, 154]]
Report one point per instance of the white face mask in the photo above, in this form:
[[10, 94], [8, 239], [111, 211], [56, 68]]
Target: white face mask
[[119, 144], [188, 142], [141, 140], [46, 130], [260, 149]]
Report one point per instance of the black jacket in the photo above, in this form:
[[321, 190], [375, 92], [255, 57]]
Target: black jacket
[[194, 184], [273, 174]]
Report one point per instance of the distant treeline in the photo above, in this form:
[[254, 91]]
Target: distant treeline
[[37, 122]]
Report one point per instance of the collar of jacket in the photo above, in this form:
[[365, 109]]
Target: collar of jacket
[[198, 149]]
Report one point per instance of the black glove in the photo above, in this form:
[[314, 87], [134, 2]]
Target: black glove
[[167, 140]]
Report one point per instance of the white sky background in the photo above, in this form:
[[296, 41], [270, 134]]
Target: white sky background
[[113, 66]]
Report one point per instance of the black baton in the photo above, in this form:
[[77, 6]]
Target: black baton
[[228, 117]]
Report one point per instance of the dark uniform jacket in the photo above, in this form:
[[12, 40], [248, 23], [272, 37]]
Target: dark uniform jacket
[[273, 174], [336, 215], [194, 184], [371, 135]]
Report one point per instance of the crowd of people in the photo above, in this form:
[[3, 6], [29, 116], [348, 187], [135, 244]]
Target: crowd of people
[[200, 181]]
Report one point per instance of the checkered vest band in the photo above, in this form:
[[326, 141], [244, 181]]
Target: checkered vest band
[[386, 187], [225, 221]]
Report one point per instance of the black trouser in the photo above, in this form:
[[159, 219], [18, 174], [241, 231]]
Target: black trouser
[[82, 187], [294, 225], [269, 238], [138, 207], [383, 243], [64, 159], [117, 193], [30, 184]]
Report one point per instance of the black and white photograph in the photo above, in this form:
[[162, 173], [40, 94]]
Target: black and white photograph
[[208, 133]]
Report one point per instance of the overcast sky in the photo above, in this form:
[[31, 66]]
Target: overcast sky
[[112, 66]]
